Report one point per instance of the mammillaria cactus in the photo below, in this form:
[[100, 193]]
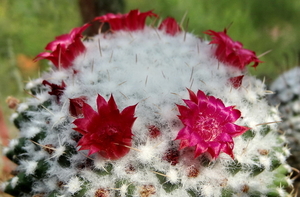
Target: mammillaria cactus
[[146, 111], [286, 95]]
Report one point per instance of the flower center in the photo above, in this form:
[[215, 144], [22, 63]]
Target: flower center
[[110, 130], [207, 127]]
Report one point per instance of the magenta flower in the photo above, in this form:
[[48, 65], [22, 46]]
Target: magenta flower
[[64, 48], [170, 26], [134, 20], [208, 125], [107, 132], [232, 52]]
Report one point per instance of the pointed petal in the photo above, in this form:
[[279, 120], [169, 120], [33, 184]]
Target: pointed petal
[[185, 114], [234, 130], [129, 111], [76, 104], [170, 26], [128, 114], [93, 149], [112, 106], [90, 116], [102, 105], [224, 137], [200, 149], [201, 97], [214, 149], [191, 104], [132, 21], [236, 82], [231, 52], [193, 96], [195, 138], [80, 131], [228, 149], [232, 114], [183, 134], [184, 144], [88, 111]]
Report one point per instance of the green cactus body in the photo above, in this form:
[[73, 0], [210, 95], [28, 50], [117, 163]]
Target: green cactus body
[[146, 72]]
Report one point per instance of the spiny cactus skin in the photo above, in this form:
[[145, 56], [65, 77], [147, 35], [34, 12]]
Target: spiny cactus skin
[[145, 111], [286, 95]]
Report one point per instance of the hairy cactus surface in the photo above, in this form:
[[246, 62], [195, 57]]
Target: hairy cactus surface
[[147, 111], [286, 95]]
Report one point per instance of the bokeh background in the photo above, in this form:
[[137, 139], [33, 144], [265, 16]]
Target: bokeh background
[[26, 26]]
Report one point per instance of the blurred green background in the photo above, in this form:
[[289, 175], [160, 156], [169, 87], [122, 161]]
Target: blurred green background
[[261, 25]]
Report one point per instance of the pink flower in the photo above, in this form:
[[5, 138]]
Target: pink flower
[[232, 52], [170, 26], [208, 125], [64, 48], [134, 20], [236, 82], [107, 132]]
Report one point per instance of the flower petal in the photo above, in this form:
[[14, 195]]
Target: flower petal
[[228, 149], [214, 149], [200, 149], [170, 26], [236, 82], [235, 130], [184, 134], [231, 52], [134, 20], [102, 105], [65, 48], [184, 144], [76, 105]]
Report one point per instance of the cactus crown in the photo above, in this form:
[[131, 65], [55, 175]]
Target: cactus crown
[[146, 111]]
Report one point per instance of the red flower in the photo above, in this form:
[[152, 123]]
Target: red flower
[[208, 125], [236, 81], [56, 90], [76, 105], [170, 26], [232, 52], [132, 21], [65, 48], [107, 131]]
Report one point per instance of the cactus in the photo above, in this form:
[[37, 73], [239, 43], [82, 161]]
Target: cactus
[[286, 95], [147, 111]]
